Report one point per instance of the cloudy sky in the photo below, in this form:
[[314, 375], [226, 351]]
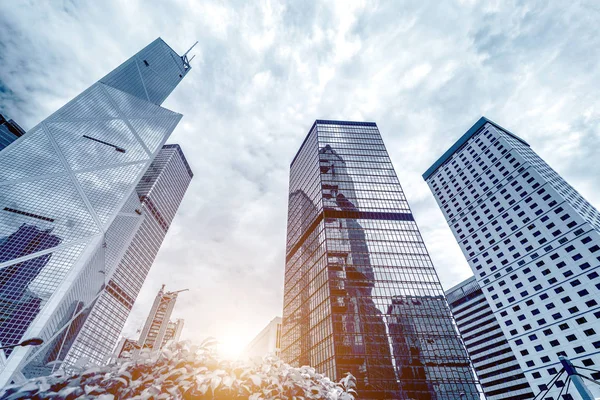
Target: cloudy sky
[[425, 71]]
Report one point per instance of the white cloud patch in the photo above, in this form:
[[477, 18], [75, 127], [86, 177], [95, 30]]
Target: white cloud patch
[[424, 71]]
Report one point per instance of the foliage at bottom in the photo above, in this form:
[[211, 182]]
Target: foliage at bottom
[[185, 371]]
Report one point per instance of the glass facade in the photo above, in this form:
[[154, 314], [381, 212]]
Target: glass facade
[[63, 185], [361, 294], [157, 198]]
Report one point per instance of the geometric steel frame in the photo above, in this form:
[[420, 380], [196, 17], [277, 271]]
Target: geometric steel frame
[[125, 106]]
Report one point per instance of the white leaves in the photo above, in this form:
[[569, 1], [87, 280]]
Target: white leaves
[[29, 387], [228, 381], [185, 370], [67, 391], [89, 389], [209, 342], [255, 380], [215, 382], [203, 389]]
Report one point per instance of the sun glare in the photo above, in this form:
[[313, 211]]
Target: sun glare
[[231, 347]]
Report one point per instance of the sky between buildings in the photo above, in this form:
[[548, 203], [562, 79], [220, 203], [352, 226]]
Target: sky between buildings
[[425, 71]]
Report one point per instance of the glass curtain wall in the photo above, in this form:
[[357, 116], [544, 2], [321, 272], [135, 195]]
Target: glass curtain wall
[[361, 294], [62, 186]]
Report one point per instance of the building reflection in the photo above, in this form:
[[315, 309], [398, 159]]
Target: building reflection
[[360, 336], [426, 350], [18, 304], [300, 319]]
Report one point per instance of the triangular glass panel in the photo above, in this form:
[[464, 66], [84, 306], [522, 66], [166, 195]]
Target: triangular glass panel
[[89, 144], [134, 107], [91, 104], [106, 188], [155, 131], [31, 155], [127, 79], [161, 71], [38, 215]]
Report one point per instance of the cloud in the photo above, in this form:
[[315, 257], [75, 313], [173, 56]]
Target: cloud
[[424, 71]]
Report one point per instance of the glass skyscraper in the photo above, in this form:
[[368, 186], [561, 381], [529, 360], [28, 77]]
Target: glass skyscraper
[[361, 294], [63, 185], [533, 243], [157, 197]]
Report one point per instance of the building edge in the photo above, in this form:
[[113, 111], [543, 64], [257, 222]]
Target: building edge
[[462, 141]]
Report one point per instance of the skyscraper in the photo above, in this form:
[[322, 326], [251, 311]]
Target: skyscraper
[[157, 324], [157, 198], [494, 362], [9, 131], [353, 252], [268, 341], [71, 175], [533, 244]]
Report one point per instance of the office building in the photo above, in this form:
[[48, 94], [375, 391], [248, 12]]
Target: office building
[[496, 366], [354, 250], [154, 334], [267, 342], [70, 176], [157, 198], [9, 131], [533, 244]]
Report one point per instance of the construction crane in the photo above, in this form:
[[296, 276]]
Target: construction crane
[[178, 291]]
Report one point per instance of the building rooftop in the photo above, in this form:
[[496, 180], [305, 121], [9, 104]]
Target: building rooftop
[[185, 162], [12, 126], [460, 285], [461, 142], [329, 122]]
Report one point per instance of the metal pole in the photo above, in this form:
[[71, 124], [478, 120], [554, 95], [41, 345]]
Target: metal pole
[[185, 54], [579, 384]]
